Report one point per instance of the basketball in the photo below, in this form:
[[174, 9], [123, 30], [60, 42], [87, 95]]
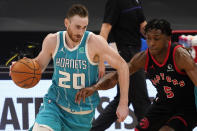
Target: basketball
[[26, 73]]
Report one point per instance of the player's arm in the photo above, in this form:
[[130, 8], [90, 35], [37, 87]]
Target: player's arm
[[142, 27], [107, 54], [111, 79], [115, 61], [105, 29], [185, 62], [48, 47], [119, 64], [44, 57], [137, 62]]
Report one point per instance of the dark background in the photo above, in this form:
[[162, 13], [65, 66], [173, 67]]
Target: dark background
[[48, 15], [25, 23]]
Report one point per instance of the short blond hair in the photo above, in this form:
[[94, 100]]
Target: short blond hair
[[77, 9]]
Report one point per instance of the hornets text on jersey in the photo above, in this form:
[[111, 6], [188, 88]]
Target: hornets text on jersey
[[73, 70]]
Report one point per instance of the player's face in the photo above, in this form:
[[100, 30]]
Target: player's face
[[76, 26], [156, 41]]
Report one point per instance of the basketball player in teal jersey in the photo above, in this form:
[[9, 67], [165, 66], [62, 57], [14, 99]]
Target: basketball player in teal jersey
[[76, 54]]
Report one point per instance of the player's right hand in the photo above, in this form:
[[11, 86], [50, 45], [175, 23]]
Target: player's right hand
[[14, 62], [84, 93], [122, 112], [11, 67]]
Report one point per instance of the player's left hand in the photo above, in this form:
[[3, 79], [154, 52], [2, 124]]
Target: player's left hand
[[122, 112], [84, 93]]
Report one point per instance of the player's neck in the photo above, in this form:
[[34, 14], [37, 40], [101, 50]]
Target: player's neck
[[69, 42], [160, 57]]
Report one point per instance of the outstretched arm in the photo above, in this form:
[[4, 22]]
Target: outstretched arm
[[118, 63], [111, 79], [107, 82], [100, 49]]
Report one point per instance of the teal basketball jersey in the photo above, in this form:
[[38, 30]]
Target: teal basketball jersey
[[73, 70]]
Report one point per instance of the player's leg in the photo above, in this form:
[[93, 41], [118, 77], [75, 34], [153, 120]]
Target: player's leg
[[166, 128], [49, 115], [138, 94], [175, 123], [38, 127], [108, 115], [155, 118], [77, 122], [182, 121], [195, 92]]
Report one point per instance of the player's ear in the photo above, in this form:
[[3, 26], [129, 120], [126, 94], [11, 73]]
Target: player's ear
[[168, 38], [66, 22]]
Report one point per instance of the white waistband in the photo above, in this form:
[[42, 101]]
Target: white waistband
[[74, 112]]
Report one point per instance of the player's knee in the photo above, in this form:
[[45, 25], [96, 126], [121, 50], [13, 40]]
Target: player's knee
[[166, 128], [136, 129], [38, 127], [177, 123], [143, 124]]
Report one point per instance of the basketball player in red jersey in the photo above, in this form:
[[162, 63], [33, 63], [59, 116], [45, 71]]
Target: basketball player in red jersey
[[172, 71]]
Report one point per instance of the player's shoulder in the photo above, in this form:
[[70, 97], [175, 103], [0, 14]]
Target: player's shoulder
[[50, 40], [96, 39], [182, 56], [141, 56], [138, 61], [94, 36], [181, 52], [52, 36]]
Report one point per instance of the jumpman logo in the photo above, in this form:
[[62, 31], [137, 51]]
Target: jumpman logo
[[144, 123]]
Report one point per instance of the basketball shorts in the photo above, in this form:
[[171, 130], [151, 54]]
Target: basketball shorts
[[159, 115], [53, 116]]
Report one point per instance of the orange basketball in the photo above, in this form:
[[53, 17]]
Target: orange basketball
[[26, 73]]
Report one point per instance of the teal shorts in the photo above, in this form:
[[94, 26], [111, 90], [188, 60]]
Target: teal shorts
[[51, 115]]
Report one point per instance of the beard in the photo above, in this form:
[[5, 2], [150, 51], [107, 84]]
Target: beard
[[74, 37]]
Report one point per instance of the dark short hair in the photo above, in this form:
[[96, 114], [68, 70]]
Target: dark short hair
[[77, 9], [159, 24]]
